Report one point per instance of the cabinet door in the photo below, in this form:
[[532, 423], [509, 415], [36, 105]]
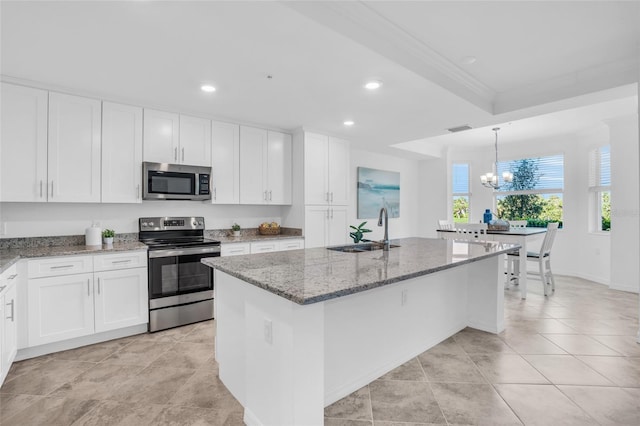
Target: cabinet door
[[235, 249], [10, 337], [23, 144], [315, 169], [338, 226], [120, 299], [60, 308], [74, 149], [225, 163], [264, 247], [278, 168], [291, 244], [121, 153], [253, 173], [195, 141], [161, 132], [316, 220], [339, 181]]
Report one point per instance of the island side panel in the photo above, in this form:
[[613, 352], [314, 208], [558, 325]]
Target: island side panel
[[283, 345], [369, 334], [486, 295]]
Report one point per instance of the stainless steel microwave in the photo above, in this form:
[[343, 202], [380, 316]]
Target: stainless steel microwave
[[162, 181]]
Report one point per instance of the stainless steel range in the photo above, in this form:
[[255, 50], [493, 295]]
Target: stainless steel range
[[180, 286]]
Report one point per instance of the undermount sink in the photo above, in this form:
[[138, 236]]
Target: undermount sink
[[360, 248]]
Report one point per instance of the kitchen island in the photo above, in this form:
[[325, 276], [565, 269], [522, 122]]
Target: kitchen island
[[299, 330]]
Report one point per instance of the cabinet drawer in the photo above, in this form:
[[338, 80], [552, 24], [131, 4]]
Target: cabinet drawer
[[8, 277], [123, 260], [264, 247], [63, 265], [235, 249], [291, 245]]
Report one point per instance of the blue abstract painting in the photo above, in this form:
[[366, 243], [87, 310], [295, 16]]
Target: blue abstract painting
[[377, 189]]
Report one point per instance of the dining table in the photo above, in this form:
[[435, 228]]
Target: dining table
[[518, 235]]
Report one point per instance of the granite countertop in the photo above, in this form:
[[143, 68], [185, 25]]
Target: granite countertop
[[255, 238], [10, 256], [314, 275]]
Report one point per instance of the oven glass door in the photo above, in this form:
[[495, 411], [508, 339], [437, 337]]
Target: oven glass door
[[170, 276], [171, 183]]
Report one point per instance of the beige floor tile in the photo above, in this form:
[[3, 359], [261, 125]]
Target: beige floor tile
[[52, 411], [92, 353], [607, 327], [397, 401], [204, 389], [46, 377], [114, 413], [204, 332], [626, 345], [480, 342], [10, 404], [185, 355], [356, 406], [577, 344], [153, 385], [405, 424], [507, 368], [410, 370], [19, 368], [472, 403], [543, 405], [621, 371], [548, 326], [346, 422], [142, 352], [566, 370], [450, 368], [608, 406], [534, 344], [99, 382], [448, 346], [187, 416]]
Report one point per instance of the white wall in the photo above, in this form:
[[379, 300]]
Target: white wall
[[47, 219], [408, 223], [433, 195]]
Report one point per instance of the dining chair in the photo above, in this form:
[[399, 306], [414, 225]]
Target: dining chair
[[517, 223], [543, 257], [471, 231], [445, 225]]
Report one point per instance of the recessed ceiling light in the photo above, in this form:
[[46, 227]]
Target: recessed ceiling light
[[207, 88], [349, 123], [373, 85], [468, 60]]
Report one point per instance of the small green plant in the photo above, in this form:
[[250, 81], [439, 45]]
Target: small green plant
[[358, 232], [108, 233], [235, 227]]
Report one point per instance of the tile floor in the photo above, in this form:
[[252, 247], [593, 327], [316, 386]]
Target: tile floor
[[568, 359]]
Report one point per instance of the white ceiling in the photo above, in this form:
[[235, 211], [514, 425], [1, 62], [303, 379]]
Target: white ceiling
[[533, 58]]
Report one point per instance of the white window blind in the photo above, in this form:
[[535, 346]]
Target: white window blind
[[600, 168], [460, 179], [547, 174]]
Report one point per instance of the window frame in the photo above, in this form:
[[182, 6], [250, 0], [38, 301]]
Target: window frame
[[595, 190], [454, 194]]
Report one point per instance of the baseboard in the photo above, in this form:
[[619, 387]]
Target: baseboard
[[64, 345], [625, 287]]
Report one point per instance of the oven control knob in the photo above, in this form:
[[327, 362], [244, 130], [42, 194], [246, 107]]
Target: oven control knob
[[150, 223], [144, 223], [199, 223]]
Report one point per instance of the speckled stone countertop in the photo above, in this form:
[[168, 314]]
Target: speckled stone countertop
[[10, 256], [314, 275]]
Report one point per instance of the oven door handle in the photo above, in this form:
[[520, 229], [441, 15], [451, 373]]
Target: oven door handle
[[186, 251]]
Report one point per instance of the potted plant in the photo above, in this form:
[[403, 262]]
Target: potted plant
[[235, 228], [107, 236]]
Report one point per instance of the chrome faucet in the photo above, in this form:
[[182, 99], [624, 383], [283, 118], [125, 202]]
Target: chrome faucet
[[385, 241]]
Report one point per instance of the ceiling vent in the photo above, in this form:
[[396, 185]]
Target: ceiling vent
[[459, 128]]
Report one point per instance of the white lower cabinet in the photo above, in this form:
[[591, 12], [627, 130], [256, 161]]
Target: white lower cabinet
[[237, 249], [69, 306], [265, 247], [292, 244], [8, 321]]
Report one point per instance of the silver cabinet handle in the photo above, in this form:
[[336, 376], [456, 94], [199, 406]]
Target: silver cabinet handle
[[175, 154], [327, 213], [331, 213], [215, 193], [121, 261], [12, 317], [332, 197], [12, 277], [265, 195], [98, 285], [88, 287], [41, 189], [270, 193], [183, 155], [51, 189], [61, 267], [326, 196], [236, 251]]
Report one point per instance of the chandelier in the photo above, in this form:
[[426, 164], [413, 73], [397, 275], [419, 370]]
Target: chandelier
[[490, 180]]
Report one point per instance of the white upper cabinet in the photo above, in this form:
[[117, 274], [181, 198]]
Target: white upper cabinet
[[121, 153], [265, 167], [278, 168], [74, 149], [195, 141], [23, 144], [326, 170], [225, 163], [161, 133]]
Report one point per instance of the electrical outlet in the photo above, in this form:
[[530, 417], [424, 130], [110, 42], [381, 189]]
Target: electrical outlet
[[403, 297], [268, 331]]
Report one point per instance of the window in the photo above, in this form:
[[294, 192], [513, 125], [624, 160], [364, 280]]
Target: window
[[600, 188], [536, 191], [460, 178]]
